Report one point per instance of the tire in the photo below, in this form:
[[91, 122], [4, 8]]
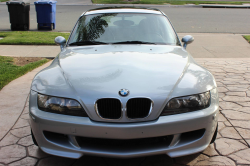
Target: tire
[[28, 26], [215, 135], [25, 27], [33, 138], [38, 27], [51, 27], [12, 27]]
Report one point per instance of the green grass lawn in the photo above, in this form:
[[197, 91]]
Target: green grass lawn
[[247, 37], [3, 0], [9, 71], [172, 2], [30, 38]]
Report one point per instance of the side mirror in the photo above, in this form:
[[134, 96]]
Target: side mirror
[[59, 40], [187, 40]]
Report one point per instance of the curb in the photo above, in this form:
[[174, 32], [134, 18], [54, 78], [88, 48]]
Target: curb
[[147, 5], [150, 5], [224, 6], [154, 5], [4, 3]]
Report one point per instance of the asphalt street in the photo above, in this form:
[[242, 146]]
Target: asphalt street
[[184, 19]]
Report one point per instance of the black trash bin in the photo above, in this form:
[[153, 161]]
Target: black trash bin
[[19, 14]]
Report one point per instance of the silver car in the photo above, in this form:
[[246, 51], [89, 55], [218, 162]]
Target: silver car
[[123, 86]]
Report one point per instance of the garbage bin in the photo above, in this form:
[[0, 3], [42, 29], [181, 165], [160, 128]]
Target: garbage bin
[[46, 14], [19, 14]]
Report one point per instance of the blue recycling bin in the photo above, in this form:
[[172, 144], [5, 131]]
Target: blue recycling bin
[[46, 14]]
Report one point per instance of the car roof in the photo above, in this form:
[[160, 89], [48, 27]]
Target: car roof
[[122, 9]]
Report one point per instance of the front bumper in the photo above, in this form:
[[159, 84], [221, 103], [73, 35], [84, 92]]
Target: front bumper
[[174, 126]]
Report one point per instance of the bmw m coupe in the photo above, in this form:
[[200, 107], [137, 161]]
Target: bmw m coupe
[[123, 86]]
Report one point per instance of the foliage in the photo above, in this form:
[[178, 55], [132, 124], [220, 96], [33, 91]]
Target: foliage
[[247, 37], [30, 38]]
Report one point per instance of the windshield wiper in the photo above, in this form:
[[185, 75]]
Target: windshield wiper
[[133, 42], [87, 42]]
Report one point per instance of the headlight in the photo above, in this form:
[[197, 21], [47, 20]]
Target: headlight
[[187, 104], [60, 105]]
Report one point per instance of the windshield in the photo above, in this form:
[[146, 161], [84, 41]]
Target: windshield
[[130, 28]]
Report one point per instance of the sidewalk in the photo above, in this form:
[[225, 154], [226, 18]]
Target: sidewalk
[[29, 51], [230, 148], [205, 45]]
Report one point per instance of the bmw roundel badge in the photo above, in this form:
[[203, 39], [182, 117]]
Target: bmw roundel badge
[[123, 92]]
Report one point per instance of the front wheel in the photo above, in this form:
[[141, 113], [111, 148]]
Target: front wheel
[[215, 135]]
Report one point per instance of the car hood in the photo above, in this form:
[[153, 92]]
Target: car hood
[[93, 72], [99, 73]]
